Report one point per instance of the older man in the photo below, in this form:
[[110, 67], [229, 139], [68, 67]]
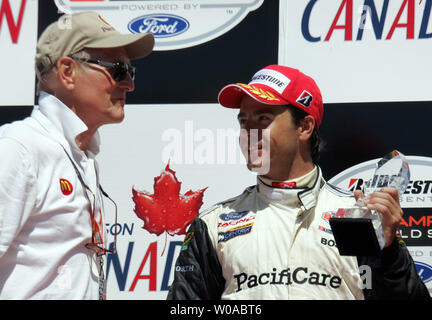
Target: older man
[[52, 237], [272, 241]]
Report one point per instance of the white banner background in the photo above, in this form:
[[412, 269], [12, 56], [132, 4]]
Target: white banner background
[[17, 49], [132, 154], [366, 70]]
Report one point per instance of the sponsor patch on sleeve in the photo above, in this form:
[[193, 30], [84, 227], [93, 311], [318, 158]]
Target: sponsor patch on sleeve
[[187, 241]]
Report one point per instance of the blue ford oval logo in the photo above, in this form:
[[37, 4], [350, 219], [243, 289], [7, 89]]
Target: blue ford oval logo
[[161, 25], [233, 215], [424, 270]]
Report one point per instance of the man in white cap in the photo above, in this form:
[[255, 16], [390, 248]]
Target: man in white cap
[[274, 240], [52, 240]]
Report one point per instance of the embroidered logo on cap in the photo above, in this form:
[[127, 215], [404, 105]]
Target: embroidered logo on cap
[[263, 94], [271, 78], [103, 20], [66, 187], [104, 29], [305, 99]]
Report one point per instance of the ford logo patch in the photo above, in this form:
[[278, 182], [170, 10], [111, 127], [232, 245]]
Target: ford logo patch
[[233, 215], [160, 25], [424, 270]]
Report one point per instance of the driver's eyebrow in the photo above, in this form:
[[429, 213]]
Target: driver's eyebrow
[[258, 112]]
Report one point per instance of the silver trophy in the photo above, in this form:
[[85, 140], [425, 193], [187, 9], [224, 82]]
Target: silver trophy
[[358, 230]]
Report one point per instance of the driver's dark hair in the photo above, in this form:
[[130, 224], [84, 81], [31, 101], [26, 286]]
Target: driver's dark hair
[[315, 139]]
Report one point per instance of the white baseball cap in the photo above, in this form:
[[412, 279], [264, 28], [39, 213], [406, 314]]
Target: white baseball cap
[[87, 30]]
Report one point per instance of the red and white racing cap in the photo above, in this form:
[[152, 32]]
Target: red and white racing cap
[[277, 85]]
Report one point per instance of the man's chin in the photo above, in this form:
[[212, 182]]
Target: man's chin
[[258, 167], [115, 117]]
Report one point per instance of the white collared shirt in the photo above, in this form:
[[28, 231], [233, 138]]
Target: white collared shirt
[[44, 208]]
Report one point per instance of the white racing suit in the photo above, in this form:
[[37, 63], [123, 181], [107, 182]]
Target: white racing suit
[[273, 243]]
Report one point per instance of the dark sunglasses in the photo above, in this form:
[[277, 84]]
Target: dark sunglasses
[[119, 69]]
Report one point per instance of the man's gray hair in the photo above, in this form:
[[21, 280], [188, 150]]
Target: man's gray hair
[[42, 73]]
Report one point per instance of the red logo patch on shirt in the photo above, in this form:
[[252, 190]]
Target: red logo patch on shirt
[[284, 185], [66, 187]]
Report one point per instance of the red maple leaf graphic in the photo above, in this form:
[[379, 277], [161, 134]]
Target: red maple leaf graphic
[[166, 209]]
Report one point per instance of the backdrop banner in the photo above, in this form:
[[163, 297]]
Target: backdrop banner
[[369, 58], [360, 50]]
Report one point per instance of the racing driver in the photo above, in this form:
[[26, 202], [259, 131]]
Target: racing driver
[[274, 240]]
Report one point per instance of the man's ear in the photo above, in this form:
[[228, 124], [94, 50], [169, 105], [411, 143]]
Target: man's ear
[[306, 127], [66, 72]]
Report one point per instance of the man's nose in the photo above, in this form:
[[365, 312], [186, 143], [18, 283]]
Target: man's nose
[[127, 84], [251, 134]]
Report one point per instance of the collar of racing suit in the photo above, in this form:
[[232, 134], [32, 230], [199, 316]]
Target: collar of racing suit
[[305, 197], [304, 181]]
